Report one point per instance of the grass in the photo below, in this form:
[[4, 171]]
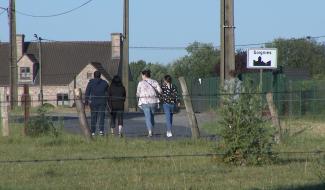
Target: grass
[[294, 172]]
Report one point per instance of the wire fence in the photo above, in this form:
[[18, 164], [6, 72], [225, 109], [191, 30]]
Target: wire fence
[[67, 118], [317, 153]]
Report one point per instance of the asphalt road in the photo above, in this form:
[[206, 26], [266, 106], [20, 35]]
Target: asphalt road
[[134, 124]]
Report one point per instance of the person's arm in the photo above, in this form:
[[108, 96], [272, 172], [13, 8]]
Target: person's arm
[[87, 93], [175, 93], [124, 94], [138, 90]]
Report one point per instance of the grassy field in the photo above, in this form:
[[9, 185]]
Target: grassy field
[[103, 171]]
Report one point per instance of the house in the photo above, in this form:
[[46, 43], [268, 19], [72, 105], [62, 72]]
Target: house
[[64, 66]]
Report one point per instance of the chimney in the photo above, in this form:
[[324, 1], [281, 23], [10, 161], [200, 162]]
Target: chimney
[[116, 45], [20, 45]]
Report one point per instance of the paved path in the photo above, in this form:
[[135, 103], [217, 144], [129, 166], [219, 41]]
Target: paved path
[[134, 124]]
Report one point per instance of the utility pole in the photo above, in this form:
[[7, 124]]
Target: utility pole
[[13, 55], [125, 53], [39, 39], [227, 58]]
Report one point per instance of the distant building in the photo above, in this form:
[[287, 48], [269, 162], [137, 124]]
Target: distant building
[[65, 66]]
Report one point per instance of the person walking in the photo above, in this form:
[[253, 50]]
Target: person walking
[[148, 91], [96, 97], [170, 100], [116, 99]]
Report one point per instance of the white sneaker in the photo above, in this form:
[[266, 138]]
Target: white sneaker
[[169, 134], [101, 133], [149, 133], [92, 134]]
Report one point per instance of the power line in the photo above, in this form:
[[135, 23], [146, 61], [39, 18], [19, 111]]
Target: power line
[[3, 10], [54, 15]]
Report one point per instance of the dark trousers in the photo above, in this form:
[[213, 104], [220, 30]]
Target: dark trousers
[[97, 115], [116, 115]]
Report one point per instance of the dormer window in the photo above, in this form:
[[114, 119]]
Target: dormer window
[[25, 73], [89, 75]]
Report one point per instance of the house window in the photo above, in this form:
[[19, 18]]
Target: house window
[[62, 99], [25, 73], [89, 75]]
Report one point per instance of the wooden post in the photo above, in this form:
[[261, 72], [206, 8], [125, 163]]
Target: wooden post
[[81, 112], [13, 55], [26, 102], [275, 117], [189, 109], [125, 53], [4, 112]]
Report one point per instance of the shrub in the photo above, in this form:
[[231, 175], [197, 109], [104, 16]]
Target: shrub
[[41, 124], [246, 136]]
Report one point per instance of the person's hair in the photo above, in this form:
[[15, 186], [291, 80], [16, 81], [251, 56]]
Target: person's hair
[[97, 74], [168, 78], [116, 80], [146, 73]]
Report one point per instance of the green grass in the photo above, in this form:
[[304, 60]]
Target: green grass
[[148, 173]]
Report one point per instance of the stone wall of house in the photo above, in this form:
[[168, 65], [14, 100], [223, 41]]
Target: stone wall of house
[[50, 92], [49, 95], [82, 80]]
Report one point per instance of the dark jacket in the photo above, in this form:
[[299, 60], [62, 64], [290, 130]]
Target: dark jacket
[[116, 97], [96, 92]]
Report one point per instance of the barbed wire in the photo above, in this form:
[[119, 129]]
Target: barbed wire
[[202, 97], [317, 152]]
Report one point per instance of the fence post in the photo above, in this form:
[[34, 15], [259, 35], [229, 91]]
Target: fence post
[[189, 109], [26, 102], [81, 113], [290, 98], [4, 112], [274, 117]]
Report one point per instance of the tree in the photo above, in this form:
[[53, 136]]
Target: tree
[[136, 68], [158, 71], [301, 53], [200, 61]]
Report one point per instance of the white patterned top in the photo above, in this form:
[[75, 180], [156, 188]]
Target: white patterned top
[[147, 92]]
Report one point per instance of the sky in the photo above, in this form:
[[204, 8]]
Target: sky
[[166, 23]]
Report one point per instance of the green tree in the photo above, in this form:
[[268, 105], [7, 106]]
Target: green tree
[[158, 71], [301, 53], [136, 68], [201, 61], [246, 136]]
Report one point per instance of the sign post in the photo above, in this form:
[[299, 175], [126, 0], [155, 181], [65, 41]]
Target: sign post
[[262, 58]]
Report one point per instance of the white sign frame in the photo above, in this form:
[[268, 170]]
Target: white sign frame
[[262, 58]]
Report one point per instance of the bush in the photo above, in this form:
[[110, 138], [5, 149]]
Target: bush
[[41, 124], [247, 138]]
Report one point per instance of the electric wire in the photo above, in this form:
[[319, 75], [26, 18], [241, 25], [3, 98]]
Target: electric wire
[[56, 14]]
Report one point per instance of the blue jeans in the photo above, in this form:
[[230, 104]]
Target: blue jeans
[[149, 111], [97, 115], [169, 110]]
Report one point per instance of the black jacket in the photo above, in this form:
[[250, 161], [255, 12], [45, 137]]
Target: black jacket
[[96, 92], [116, 97]]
